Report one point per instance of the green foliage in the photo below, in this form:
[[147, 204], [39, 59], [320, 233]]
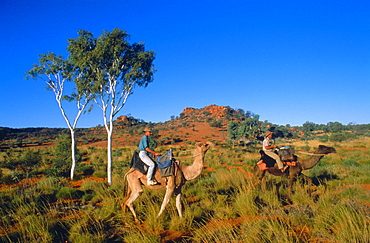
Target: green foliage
[[26, 161], [305, 148], [100, 174], [222, 205], [217, 123], [308, 127], [63, 156], [340, 137], [67, 193], [248, 129], [232, 131], [351, 162], [89, 229]]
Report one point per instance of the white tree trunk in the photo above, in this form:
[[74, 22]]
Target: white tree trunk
[[73, 146], [72, 129], [109, 155]]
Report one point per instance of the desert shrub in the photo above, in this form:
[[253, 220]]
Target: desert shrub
[[245, 204], [100, 174], [67, 193], [7, 179], [63, 157], [340, 137], [270, 229], [344, 222], [217, 231], [35, 228], [351, 162], [217, 124], [98, 156], [22, 161], [324, 138], [305, 148], [89, 229], [117, 152], [141, 236], [48, 185], [5, 200], [45, 199], [85, 169]]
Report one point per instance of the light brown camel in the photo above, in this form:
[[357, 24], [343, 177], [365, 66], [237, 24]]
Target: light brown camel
[[136, 180], [295, 171]]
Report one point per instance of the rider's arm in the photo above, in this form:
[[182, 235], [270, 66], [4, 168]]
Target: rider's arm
[[152, 151], [270, 147]]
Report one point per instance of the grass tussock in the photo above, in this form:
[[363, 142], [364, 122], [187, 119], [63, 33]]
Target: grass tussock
[[221, 205]]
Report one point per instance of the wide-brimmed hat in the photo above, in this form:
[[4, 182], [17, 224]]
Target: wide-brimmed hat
[[147, 129], [268, 133]]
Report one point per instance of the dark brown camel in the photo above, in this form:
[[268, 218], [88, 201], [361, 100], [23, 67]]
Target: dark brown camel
[[296, 171]]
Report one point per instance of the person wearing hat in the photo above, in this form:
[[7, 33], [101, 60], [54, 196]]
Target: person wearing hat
[[267, 148], [143, 154]]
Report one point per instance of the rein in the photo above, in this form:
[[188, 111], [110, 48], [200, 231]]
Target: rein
[[188, 156], [311, 153]]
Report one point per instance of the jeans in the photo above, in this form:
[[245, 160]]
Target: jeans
[[149, 162]]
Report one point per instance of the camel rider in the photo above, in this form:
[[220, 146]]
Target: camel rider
[[143, 154], [267, 148]]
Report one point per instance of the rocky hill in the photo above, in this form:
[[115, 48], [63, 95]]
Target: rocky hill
[[208, 123]]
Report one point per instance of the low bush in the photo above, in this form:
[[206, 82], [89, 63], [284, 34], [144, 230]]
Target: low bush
[[67, 193]]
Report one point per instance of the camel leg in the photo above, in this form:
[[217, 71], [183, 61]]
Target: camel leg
[[178, 202], [130, 200], [170, 188], [290, 185], [258, 176], [135, 191], [166, 200], [292, 179], [306, 178]]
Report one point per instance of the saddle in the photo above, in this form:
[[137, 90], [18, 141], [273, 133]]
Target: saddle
[[167, 166], [286, 155]]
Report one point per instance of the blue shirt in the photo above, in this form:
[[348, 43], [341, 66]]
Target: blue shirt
[[144, 143]]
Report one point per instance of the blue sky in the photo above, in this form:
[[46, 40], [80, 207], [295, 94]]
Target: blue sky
[[287, 61]]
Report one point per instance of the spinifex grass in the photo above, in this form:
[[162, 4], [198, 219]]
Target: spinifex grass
[[222, 205]]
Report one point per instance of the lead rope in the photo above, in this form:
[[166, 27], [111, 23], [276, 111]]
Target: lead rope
[[188, 156], [311, 153]]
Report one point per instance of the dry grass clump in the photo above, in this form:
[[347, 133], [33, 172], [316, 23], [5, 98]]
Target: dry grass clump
[[222, 205]]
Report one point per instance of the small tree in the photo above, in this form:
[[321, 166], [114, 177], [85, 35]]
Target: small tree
[[62, 153], [111, 68], [56, 71], [308, 127], [249, 129], [232, 131]]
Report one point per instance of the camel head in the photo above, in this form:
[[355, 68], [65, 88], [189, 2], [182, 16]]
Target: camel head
[[322, 149], [202, 148]]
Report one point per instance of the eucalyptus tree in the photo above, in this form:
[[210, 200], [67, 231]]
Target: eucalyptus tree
[[56, 72], [232, 131], [111, 68], [249, 129]]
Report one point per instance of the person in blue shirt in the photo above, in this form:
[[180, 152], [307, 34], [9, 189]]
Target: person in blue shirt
[[143, 154]]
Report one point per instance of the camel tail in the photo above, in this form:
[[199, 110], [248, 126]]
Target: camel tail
[[126, 189]]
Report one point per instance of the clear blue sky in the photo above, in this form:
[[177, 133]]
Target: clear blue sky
[[287, 61]]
